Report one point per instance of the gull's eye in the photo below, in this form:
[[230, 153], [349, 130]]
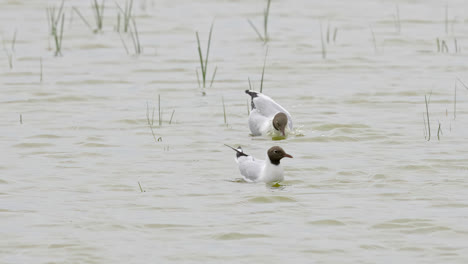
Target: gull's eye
[[276, 151]]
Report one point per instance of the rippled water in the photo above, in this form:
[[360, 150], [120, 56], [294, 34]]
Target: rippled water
[[365, 185]]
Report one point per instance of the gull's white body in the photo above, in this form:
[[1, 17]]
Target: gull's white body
[[261, 117], [254, 170]]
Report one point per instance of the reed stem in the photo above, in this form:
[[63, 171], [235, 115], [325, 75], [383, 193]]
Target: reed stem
[[263, 71]]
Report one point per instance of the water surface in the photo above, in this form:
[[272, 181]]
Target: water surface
[[365, 184]]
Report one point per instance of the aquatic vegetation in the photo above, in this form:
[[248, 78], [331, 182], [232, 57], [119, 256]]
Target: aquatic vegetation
[[266, 12], [127, 15], [141, 189], [172, 115], [56, 19], [439, 132], [135, 37], [325, 41], [129, 26], [324, 49], [10, 52], [98, 14], [373, 39], [150, 121], [335, 32], [98, 11], [250, 84], [263, 71], [204, 62], [224, 110], [442, 46], [427, 133]]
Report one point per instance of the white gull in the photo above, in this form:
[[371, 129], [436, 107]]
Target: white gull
[[267, 117], [255, 170]]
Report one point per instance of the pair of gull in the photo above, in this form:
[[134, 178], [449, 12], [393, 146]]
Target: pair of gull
[[267, 118]]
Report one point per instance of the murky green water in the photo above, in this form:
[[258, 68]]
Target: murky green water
[[365, 185]]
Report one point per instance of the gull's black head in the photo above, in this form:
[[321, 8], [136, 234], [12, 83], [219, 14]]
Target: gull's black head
[[275, 154], [280, 121]]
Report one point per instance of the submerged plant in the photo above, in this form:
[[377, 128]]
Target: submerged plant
[[204, 62], [266, 12]]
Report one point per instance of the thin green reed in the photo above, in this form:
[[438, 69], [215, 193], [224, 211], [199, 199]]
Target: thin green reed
[[99, 14], [127, 15], [427, 114], [224, 110], [141, 189], [263, 71], [98, 11], [58, 38], [204, 62], [324, 50], [10, 53], [439, 132], [150, 122], [83, 18], [266, 13], [56, 21], [373, 39], [135, 38], [172, 115]]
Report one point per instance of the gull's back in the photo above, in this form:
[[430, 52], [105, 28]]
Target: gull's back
[[250, 167], [268, 108]]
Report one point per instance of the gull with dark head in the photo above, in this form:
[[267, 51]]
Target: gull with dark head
[[267, 117], [255, 170]]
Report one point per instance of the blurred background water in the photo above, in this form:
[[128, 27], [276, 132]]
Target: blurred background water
[[366, 184]]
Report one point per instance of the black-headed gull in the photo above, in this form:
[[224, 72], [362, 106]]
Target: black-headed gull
[[267, 117], [254, 170]]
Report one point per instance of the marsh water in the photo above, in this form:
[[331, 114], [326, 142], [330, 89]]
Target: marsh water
[[84, 180]]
